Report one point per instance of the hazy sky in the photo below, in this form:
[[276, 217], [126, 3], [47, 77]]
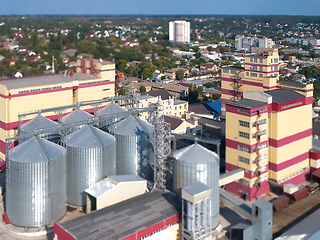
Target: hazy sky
[[151, 7]]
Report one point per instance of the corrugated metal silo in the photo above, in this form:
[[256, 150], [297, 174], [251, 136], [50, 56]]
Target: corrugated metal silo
[[134, 150], [109, 109], [36, 183], [77, 115], [90, 158], [38, 123], [194, 164]]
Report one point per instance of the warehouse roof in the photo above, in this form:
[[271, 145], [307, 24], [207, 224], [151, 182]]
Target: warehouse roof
[[51, 79], [280, 96], [125, 218]]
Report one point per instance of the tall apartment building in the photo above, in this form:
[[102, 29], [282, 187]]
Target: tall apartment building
[[268, 125], [179, 31], [94, 80], [242, 42]]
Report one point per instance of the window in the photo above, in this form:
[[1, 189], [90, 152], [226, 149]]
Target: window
[[262, 146], [260, 75], [225, 70], [276, 68], [255, 60], [291, 105], [260, 60], [244, 182], [243, 160], [276, 60], [243, 124], [106, 89], [253, 74], [243, 148], [244, 135], [263, 168], [180, 107], [175, 108], [263, 121], [260, 68], [263, 132], [271, 60], [247, 73], [233, 71], [251, 59], [263, 157], [253, 67], [243, 111], [185, 106]]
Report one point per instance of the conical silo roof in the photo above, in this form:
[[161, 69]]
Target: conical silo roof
[[76, 116], [36, 150], [89, 137], [37, 123], [109, 109], [132, 126], [195, 153]]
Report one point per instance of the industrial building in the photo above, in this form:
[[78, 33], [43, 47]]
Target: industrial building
[[268, 125], [94, 79], [179, 31]]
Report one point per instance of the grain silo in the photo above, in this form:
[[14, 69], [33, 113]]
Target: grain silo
[[37, 124], [90, 158], [73, 117], [133, 149], [194, 164], [35, 183], [105, 111]]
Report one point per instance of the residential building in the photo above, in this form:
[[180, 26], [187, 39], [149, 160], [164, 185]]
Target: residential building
[[304, 41], [242, 42], [174, 90], [179, 31], [183, 126], [269, 135]]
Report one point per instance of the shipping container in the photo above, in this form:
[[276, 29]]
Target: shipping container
[[280, 203]]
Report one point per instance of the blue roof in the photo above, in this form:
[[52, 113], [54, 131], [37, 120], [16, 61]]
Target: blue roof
[[216, 106]]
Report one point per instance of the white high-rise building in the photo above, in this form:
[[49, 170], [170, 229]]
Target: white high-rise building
[[179, 31]]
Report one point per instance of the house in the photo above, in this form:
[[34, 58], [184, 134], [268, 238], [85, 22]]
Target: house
[[32, 58], [299, 76], [174, 90], [209, 66], [69, 52], [293, 68], [183, 126], [17, 74]]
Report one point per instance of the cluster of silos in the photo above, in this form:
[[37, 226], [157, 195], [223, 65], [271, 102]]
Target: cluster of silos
[[194, 164], [73, 117], [90, 158], [35, 183], [134, 151], [37, 124], [106, 111]]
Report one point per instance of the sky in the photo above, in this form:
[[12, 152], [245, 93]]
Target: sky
[[163, 7]]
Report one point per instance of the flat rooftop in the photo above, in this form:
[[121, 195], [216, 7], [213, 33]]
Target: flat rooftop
[[293, 84], [125, 218], [248, 103], [280, 96], [43, 80]]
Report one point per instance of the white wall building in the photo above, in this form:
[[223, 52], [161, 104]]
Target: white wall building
[[179, 31], [242, 42]]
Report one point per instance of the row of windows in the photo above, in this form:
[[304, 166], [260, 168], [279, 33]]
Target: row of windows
[[244, 160], [233, 71], [243, 123], [40, 89], [291, 105], [253, 74], [263, 168], [244, 182], [244, 135], [260, 110], [225, 70], [244, 148], [243, 111], [86, 83]]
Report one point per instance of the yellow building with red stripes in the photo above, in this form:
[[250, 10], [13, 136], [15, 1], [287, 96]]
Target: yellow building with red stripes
[[94, 79], [268, 125]]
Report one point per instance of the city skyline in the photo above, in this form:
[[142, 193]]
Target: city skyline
[[143, 7]]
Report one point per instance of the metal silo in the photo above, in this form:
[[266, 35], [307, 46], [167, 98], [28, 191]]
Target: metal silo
[[39, 123], [35, 183], [194, 164], [109, 109], [134, 150], [75, 116], [90, 158]]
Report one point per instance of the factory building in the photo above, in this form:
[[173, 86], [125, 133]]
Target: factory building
[[149, 216], [261, 73], [269, 135], [94, 79]]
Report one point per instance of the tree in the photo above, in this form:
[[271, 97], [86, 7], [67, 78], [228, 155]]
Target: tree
[[195, 48], [142, 88], [122, 91], [180, 74], [122, 65]]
